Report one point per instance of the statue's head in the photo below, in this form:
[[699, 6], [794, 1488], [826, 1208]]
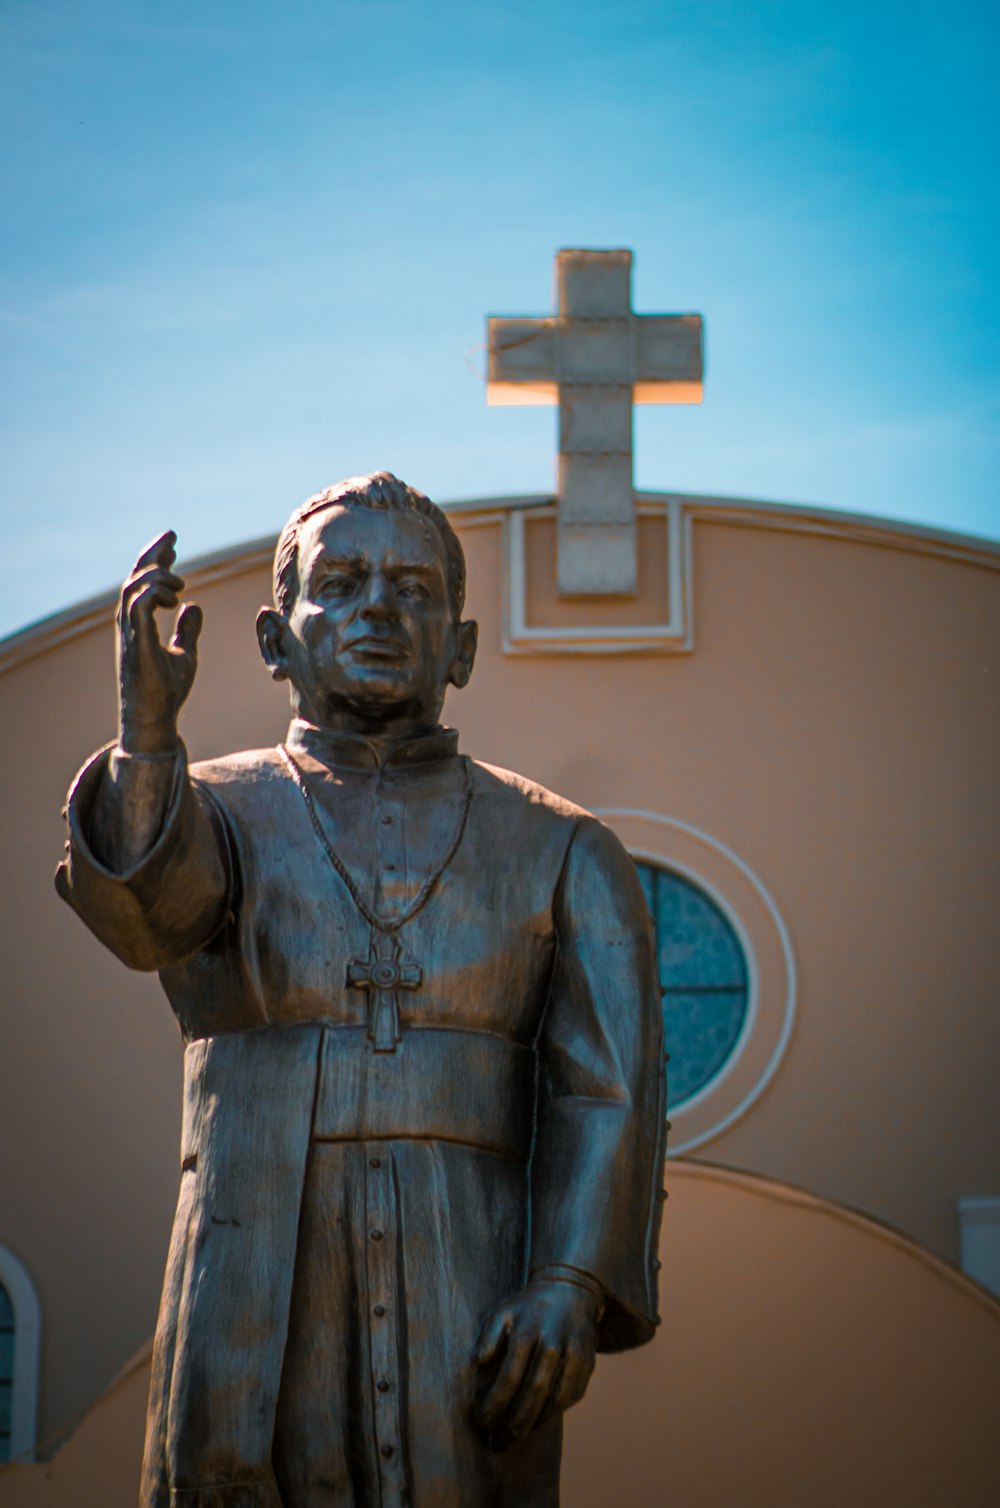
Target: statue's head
[[369, 586]]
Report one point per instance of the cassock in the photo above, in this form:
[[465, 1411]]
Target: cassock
[[385, 1133]]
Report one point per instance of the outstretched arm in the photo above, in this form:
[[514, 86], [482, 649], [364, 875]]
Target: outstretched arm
[[153, 682], [148, 859]]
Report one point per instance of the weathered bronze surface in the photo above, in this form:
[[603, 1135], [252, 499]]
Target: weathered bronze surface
[[424, 1098]]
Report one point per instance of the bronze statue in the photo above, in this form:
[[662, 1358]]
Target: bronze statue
[[424, 1091]]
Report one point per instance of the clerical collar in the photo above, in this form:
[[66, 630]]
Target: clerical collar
[[355, 751]]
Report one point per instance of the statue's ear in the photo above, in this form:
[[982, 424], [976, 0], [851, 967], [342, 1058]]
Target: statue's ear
[[467, 635], [271, 638]]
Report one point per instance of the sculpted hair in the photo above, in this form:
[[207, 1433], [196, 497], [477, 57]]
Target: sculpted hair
[[382, 492]]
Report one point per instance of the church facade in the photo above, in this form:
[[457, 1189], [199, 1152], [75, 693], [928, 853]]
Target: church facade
[[790, 716], [790, 726]]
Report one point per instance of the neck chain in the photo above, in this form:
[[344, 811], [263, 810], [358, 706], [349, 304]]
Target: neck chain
[[386, 925]]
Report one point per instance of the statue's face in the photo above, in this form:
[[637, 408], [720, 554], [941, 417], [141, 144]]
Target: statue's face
[[371, 630]]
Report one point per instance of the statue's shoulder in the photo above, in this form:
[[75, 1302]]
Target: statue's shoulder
[[245, 772], [523, 809], [517, 794]]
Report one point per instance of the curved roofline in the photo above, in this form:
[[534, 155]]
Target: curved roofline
[[237, 560], [767, 1186]]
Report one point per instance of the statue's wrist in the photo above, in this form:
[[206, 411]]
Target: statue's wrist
[[582, 1282], [148, 740]]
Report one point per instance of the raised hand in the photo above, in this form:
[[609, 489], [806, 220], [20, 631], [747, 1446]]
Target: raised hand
[[154, 678], [535, 1356]]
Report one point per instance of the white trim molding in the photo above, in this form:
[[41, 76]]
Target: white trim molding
[[750, 908], [27, 1343], [671, 635]]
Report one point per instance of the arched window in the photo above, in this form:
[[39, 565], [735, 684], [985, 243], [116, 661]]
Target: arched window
[[19, 1337], [704, 978]]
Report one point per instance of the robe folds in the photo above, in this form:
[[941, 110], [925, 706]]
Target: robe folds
[[366, 1173]]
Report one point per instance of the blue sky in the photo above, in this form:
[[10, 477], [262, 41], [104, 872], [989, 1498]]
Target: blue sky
[[250, 247]]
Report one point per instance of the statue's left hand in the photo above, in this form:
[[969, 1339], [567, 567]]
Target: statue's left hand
[[536, 1354]]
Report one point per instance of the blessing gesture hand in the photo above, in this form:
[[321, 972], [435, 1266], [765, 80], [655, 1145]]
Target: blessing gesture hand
[[154, 678], [536, 1354]]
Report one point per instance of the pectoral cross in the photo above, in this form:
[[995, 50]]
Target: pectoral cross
[[384, 973]]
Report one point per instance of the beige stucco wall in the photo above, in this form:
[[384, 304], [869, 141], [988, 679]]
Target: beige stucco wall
[[835, 727], [807, 1357]]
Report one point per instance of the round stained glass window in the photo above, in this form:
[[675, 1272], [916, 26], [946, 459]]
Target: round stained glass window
[[6, 1371], [703, 974]]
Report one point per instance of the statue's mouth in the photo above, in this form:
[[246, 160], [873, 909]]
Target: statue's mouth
[[370, 647]]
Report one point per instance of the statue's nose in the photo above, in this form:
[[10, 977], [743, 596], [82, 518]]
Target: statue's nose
[[380, 599]]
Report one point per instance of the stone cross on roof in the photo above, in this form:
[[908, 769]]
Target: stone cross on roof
[[595, 358]]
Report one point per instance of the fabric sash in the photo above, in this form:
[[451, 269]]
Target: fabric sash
[[440, 1083]]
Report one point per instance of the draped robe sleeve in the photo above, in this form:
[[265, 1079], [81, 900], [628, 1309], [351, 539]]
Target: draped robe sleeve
[[600, 1129], [171, 902]]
